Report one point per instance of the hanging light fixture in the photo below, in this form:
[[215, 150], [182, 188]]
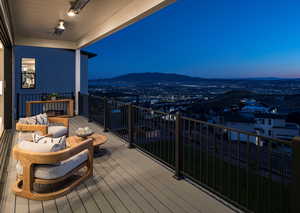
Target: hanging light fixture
[[60, 27]]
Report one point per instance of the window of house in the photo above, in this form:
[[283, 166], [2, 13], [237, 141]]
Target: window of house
[[270, 122], [270, 133], [28, 73]]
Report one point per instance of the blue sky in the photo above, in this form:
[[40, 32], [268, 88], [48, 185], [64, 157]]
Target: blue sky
[[207, 38]]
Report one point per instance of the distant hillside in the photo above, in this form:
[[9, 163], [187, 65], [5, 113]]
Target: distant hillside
[[284, 102], [151, 77], [223, 101]]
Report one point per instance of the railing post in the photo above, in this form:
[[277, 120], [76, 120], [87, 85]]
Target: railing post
[[18, 106], [178, 148], [130, 126], [89, 108], [295, 185], [106, 115]]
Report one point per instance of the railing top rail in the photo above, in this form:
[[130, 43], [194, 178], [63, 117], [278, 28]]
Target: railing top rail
[[272, 140], [97, 97], [151, 110], [43, 93], [119, 102]]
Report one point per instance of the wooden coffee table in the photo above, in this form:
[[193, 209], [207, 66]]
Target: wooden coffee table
[[98, 140]]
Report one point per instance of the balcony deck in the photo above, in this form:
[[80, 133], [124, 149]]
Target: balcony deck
[[125, 180]]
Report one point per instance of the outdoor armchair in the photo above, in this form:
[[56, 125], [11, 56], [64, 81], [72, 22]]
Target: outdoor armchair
[[51, 168]]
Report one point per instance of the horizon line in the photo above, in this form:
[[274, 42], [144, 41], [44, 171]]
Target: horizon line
[[208, 78]]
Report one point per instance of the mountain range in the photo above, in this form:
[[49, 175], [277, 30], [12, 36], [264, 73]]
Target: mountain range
[[155, 77]]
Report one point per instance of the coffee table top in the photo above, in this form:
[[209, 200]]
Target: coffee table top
[[98, 140]]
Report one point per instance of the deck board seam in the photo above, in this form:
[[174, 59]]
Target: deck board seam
[[105, 196], [157, 189], [142, 185], [92, 197], [170, 189], [152, 182], [124, 190], [134, 188], [125, 181], [111, 190]]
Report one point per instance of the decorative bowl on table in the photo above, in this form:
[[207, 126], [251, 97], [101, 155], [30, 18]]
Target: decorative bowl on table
[[84, 132]]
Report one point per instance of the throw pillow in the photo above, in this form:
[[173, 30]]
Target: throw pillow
[[40, 119], [58, 143]]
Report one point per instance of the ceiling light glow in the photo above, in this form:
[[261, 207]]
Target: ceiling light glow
[[71, 13], [76, 7]]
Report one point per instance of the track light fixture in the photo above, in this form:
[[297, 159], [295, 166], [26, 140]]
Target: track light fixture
[[76, 7]]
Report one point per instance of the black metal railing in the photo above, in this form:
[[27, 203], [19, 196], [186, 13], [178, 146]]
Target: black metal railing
[[154, 133], [22, 98], [253, 172]]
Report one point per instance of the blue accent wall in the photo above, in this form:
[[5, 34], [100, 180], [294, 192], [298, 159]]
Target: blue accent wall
[[55, 73], [55, 69]]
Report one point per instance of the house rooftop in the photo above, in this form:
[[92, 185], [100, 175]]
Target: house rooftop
[[270, 115]]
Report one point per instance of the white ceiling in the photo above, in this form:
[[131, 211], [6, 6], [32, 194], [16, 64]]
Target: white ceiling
[[34, 20]]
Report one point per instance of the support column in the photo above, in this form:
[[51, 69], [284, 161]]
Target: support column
[[77, 79]]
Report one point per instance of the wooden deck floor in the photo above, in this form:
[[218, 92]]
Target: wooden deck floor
[[125, 180]]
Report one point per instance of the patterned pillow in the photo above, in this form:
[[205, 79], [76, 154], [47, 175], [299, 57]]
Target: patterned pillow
[[40, 119], [28, 120], [59, 143]]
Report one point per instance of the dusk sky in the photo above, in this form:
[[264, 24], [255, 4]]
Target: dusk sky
[[207, 38]]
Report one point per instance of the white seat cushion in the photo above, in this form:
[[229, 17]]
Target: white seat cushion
[[57, 131], [45, 144], [24, 136], [56, 171], [39, 147]]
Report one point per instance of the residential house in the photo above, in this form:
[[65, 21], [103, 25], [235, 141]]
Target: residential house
[[275, 125]]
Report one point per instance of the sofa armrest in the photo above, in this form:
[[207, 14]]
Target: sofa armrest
[[64, 121], [32, 128], [52, 157]]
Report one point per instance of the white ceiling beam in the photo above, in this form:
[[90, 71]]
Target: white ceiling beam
[[36, 42]]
